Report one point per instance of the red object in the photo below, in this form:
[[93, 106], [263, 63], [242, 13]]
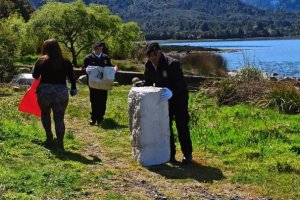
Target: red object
[[29, 103]]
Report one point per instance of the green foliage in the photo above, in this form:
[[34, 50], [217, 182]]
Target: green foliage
[[125, 40], [9, 50], [204, 19], [78, 26], [9, 7], [285, 98], [250, 73], [27, 59]]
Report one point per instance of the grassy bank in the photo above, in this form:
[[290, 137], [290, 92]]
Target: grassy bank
[[239, 151], [255, 146]]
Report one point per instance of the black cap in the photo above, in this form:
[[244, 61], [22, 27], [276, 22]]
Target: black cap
[[152, 47], [98, 44]]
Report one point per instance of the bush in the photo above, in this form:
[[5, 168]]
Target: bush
[[284, 97], [234, 91], [250, 73], [8, 52], [227, 92], [204, 64]]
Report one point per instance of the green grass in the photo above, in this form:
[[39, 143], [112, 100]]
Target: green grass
[[249, 145], [27, 60], [260, 147]]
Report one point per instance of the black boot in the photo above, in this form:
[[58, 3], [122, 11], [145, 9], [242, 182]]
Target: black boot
[[60, 142], [49, 140]]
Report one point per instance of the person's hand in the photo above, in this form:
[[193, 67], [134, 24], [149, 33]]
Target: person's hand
[[165, 94], [73, 92], [116, 68]]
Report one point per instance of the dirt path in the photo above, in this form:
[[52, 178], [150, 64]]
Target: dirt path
[[195, 181]]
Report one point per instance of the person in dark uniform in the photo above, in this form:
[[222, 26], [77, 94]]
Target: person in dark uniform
[[163, 71], [98, 97]]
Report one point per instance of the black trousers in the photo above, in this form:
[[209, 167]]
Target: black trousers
[[178, 111], [98, 100]]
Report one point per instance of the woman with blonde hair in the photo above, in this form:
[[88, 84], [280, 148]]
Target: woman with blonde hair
[[52, 93]]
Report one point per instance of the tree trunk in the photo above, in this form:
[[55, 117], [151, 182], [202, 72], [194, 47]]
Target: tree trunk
[[74, 56]]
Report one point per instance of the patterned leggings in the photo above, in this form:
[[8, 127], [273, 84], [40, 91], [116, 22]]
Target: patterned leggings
[[55, 97]]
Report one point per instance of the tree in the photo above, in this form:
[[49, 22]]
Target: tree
[[9, 49], [22, 7], [75, 25], [125, 40]]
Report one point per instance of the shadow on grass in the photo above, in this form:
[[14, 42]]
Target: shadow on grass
[[68, 155], [193, 170], [111, 124], [5, 95]]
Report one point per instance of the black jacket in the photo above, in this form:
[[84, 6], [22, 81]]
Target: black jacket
[[168, 74], [93, 60]]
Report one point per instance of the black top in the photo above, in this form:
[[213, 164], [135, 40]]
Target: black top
[[51, 75], [168, 74]]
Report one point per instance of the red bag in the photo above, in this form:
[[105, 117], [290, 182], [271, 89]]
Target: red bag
[[29, 103]]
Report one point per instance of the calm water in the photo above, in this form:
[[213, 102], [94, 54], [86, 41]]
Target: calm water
[[271, 56]]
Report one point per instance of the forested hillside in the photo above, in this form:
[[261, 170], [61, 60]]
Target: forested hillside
[[290, 5], [8, 7], [194, 19]]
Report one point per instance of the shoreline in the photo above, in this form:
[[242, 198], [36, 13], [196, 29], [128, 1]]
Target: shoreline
[[228, 39]]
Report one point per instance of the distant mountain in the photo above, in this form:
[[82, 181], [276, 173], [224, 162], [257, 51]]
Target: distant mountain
[[289, 5], [194, 19]]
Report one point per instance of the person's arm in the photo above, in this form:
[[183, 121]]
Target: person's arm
[[147, 76], [109, 61], [176, 79], [70, 74], [36, 72], [85, 64]]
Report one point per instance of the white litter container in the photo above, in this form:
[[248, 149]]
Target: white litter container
[[149, 126], [101, 77]]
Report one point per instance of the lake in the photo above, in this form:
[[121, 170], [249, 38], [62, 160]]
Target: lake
[[271, 56]]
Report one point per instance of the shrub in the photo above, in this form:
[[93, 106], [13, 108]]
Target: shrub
[[233, 91], [205, 64], [8, 52], [250, 73], [284, 97], [227, 92]]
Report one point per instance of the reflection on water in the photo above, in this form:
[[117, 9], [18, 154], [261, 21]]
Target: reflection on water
[[280, 56]]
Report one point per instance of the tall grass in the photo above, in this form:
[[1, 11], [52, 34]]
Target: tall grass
[[285, 97], [204, 64]]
